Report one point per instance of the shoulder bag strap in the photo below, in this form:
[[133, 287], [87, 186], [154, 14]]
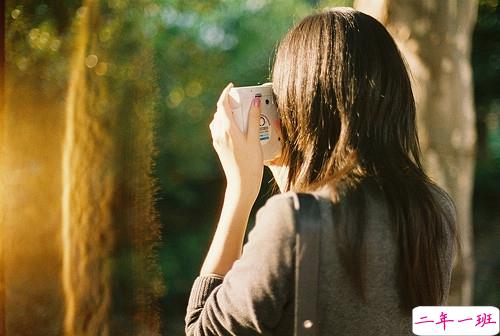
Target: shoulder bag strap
[[307, 240]]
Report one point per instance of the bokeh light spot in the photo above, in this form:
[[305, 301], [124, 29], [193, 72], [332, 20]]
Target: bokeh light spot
[[34, 33], [101, 69], [175, 97], [55, 44], [81, 12], [193, 89], [105, 34], [255, 5], [212, 35], [15, 13], [91, 61]]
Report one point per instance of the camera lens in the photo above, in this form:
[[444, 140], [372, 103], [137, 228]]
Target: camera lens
[[267, 101]]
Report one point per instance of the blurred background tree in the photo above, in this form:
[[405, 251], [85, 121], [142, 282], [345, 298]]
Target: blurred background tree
[[81, 230], [110, 228], [197, 47]]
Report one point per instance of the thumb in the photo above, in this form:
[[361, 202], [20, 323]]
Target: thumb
[[253, 120]]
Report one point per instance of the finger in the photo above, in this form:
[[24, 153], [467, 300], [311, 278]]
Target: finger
[[216, 132], [253, 120], [227, 106], [214, 121], [217, 123], [224, 107], [223, 96], [221, 121]]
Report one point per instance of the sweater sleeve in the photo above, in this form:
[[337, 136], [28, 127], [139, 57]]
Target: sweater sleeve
[[251, 297]]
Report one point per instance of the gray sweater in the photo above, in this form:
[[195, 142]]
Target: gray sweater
[[256, 296]]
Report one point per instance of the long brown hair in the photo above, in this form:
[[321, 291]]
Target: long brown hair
[[348, 120]]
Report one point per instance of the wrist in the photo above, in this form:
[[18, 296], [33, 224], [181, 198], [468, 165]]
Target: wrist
[[236, 209], [240, 194]]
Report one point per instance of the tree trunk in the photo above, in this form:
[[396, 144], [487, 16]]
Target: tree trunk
[[89, 185], [435, 39], [2, 124], [78, 229], [110, 229]]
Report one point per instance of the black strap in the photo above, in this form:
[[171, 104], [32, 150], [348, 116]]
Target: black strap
[[307, 239]]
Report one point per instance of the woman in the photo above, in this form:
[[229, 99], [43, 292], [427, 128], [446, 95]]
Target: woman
[[349, 137]]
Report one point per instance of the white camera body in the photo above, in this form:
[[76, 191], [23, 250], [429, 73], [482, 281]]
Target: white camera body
[[240, 99]]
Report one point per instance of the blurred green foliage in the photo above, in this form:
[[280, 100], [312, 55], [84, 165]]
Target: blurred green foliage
[[486, 65], [200, 47], [486, 201]]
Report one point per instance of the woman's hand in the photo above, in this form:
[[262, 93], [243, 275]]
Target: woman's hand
[[240, 154], [241, 158]]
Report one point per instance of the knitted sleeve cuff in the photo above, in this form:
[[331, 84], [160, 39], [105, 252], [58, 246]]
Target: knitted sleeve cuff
[[202, 287]]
